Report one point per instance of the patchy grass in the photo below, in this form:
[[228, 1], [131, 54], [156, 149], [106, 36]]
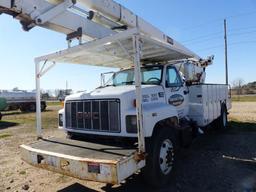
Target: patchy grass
[[62, 179], [242, 117], [22, 172], [8, 174], [243, 112], [244, 98], [53, 103], [28, 120], [4, 135]]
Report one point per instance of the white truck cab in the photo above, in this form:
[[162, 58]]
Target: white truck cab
[[110, 110]]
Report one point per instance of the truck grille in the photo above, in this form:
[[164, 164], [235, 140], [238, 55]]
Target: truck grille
[[93, 115]]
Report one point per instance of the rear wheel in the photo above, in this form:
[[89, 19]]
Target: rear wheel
[[223, 119], [160, 159], [24, 108], [1, 116], [43, 106], [32, 107]]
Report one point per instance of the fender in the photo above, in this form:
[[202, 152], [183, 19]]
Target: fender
[[155, 112]]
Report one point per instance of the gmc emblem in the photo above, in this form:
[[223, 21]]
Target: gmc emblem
[[87, 115]]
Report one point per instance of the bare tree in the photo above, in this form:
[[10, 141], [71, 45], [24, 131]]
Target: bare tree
[[15, 89], [57, 92], [237, 86]]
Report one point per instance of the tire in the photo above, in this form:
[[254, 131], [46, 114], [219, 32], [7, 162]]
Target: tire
[[223, 119], [32, 107], [24, 108], [70, 136], [160, 158], [43, 107], [1, 116]]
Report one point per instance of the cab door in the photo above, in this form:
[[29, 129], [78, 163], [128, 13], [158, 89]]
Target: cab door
[[176, 91]]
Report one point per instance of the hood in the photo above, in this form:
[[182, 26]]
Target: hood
[[115, 92]]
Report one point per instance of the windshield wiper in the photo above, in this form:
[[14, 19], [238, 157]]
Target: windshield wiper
[[142, 83], [149, 83], [128, 82], [105, 86], [111, 85]]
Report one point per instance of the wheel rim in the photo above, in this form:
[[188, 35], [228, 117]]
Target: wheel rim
[[224, 119], [166, 157]]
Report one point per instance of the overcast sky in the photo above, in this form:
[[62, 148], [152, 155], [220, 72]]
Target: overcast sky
[[198, 24]]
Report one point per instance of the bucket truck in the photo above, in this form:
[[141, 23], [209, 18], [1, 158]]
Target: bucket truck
[[137, 119]]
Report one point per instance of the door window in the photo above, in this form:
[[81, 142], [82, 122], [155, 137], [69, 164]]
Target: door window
[[173, 78]]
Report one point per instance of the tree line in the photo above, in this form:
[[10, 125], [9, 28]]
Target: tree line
[[239, 87]]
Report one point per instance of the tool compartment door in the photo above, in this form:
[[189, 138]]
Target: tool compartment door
[[82, 160], [205, 102]]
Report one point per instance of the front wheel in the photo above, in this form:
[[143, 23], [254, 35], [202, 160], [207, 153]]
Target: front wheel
[[70, 135], [160, 159]]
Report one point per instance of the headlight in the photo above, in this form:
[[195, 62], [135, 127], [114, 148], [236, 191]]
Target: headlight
[[60, 120], [131, 124]]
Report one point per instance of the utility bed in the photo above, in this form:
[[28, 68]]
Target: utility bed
[[83, 160], [205, 102]]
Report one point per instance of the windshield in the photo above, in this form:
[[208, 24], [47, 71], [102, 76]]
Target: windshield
[[150, 75]]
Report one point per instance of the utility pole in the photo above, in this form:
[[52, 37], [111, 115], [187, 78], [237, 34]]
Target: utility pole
[[66, 84], [66, 87], [226, 49]]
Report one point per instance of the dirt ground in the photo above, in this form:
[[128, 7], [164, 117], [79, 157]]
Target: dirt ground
[[216, 161]]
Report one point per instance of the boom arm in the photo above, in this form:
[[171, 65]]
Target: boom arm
[[89, 19], [63, 17]]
